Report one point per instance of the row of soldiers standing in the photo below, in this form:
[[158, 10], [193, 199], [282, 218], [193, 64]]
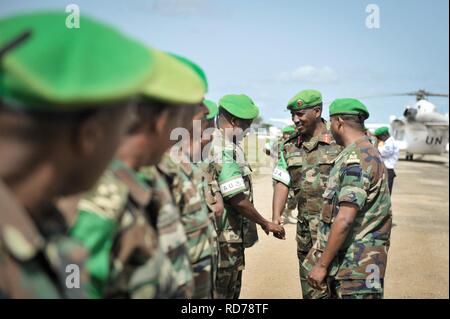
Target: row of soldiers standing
[[91, 202]]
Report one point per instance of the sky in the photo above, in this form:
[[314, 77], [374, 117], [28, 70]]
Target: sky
[[271, 49]]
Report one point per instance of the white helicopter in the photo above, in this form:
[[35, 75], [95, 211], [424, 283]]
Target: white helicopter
[[422, 130]]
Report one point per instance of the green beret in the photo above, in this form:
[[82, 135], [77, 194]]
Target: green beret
[[239, 105], [348, 107], [381, 130], [290, 129], [195, 67], [173, 81], [62, 69], [304, 100], [212, 108]]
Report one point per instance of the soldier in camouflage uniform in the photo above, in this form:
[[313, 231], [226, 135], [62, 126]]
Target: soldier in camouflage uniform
[[60, 126], [183, 180], [305, 162], [237, 226], [127, 260], [172, 237], [213, 197], [353, 239], [181, 169]]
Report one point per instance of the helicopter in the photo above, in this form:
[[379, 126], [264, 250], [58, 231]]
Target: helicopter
[[422, 130]]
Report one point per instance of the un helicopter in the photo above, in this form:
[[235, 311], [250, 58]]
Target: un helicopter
[[422, 130]]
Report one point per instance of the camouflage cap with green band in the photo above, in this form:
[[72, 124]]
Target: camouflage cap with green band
[[62, 69], [173, 81], [381, 130], [304, 100], [212, 109], [239, 105], [348, 106]]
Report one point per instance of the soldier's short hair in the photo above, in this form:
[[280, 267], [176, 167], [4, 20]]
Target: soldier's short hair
[[354, 120]]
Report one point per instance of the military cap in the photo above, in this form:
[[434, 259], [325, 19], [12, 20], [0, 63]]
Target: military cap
[[195, 67], [173, 81], [304, 100], [381, 130], [239, 105], [348, 107], [212, 109], [290, 129], [61, 69]]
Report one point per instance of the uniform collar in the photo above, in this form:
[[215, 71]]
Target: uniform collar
[[324, 137], [17, 230]]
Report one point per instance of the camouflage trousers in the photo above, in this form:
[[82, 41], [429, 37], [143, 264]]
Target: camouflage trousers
[[228, 285], [306, 236], [291, 201], [202, 278], [229, 273], [353, 289]]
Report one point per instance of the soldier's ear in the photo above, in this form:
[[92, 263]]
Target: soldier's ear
[[318, 112], [162, 122], [340, 122]]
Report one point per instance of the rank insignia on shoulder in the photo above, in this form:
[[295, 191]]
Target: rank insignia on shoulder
[[326, 138], [353, 159]]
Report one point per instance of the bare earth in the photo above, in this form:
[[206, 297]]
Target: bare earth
[[418, 261]]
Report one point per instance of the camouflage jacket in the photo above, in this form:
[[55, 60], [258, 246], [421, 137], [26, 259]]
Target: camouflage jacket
[[172, 237], [304, 166], [126, 260], [358, 177], [229, 167], [184, 180], [38, 260]]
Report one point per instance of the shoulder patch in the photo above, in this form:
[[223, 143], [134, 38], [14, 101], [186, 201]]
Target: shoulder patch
[[108, 198], [353, 158]]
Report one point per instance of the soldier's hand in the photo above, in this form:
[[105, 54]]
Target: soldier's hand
[[317, 276], [278, 221], [277, 230]]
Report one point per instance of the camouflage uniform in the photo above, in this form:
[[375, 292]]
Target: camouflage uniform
[[185, 182], [210, 189], [233, 175], [35, 258], [276, 148], [126, 259], [166, 217], [304, 166], [358, 177]]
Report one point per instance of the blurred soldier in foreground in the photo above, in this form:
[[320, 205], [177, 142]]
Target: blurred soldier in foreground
[[350, 254], [127, 260], [213, 197], [305, 162], [237, 226], [61, 121], [181, 170]]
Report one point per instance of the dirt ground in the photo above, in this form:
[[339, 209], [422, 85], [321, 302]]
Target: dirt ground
[[418, 260]]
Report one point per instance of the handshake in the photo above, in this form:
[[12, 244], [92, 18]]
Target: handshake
[[276, 228]]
